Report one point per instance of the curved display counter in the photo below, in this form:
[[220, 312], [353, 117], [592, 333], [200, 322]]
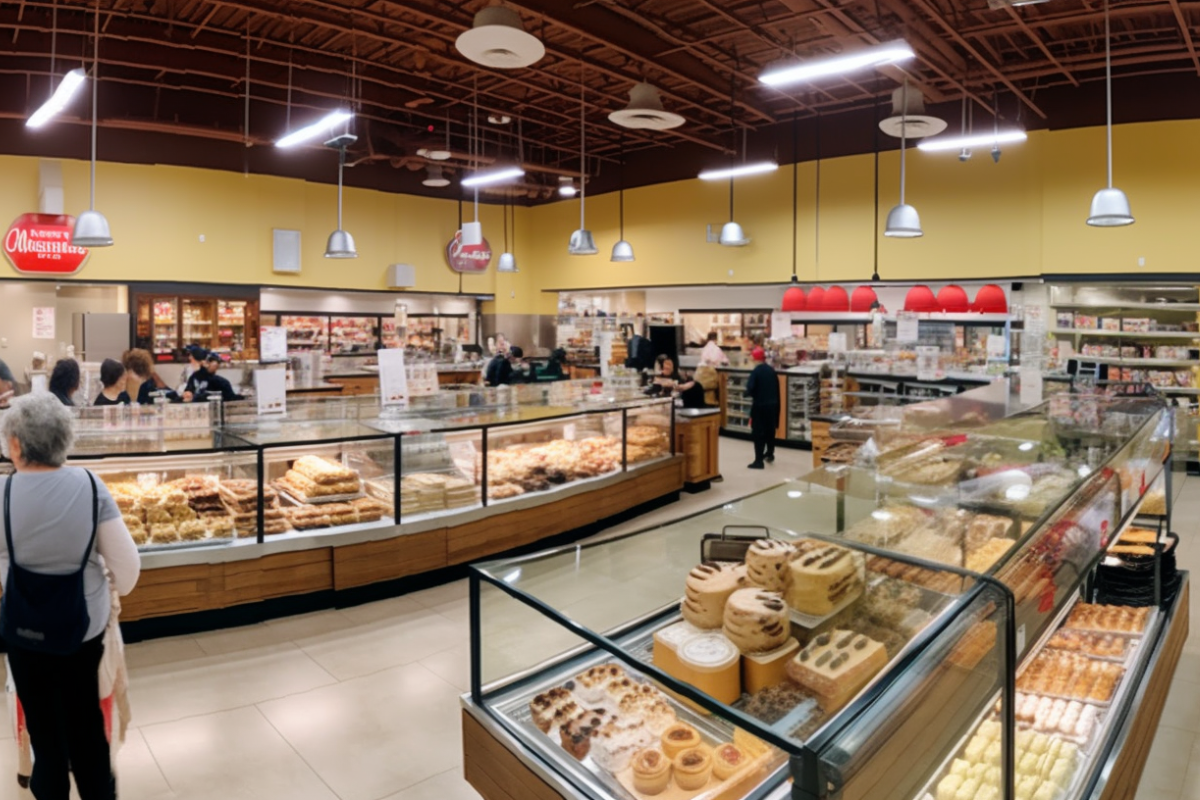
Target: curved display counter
[[986, 610]]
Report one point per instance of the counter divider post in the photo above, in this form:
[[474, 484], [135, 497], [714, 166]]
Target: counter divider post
[[262, 474], [473, 586], [483, 472], [625, 439], [397, 464]]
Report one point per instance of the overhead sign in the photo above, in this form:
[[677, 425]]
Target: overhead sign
[[468, 257], [40, 244]]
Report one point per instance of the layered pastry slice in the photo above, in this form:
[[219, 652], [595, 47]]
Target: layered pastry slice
[[837, 665]]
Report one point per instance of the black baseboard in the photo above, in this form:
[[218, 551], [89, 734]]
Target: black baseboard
[[253, 613], [790, 444]]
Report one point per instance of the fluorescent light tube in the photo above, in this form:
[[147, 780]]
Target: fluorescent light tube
[[878, 55], [58, 101], [738, 171], [318, 128], [495, 176], [978, 140]]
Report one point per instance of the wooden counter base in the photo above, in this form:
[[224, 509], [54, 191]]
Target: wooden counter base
[[170, 591], [495, 772]]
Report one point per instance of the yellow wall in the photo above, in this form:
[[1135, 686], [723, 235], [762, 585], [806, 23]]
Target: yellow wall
[[1022, 217]]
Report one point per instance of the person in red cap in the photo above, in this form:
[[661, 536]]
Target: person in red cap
[[763, 390]]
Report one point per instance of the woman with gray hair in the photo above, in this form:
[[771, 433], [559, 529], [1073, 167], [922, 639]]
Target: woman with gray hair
[[62, 531]]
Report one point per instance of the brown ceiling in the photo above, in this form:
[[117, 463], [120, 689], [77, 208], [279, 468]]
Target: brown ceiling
[[174, 86]]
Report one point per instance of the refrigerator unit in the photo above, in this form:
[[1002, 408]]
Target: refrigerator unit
[[99, 336]]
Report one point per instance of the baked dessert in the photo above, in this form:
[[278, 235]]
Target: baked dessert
[[651, 771], [836, 665], [679, 737], [615, 744], [192, 530], [988, 553], [656, 713], [304, 518], [985, 527], [1111, 619], [577, 733], [591, 686], [822, 577], [708, 587], [773, 703], [887, 526], [727, 760], [712, 664], [763, 670], [617, 690], [976, 644], [1070, 675], [1090, 643], [945, 582], [1045, 766], [323, 470], [756, 620], [767, 564], [545, 707], [693, 767]]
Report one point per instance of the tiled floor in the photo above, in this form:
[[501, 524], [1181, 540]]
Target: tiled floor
[[362, 703]]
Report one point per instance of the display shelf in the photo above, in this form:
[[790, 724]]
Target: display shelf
[[1140, 362], [1126, 334], [1138, 306]]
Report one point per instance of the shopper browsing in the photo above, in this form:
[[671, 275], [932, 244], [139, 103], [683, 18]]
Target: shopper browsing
[[112, 377], [763, 390], [64, 381], [554, 367], [499, 371], [205, 382], [142, 381], [62, 531]]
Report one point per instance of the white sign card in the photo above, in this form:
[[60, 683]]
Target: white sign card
[[1031, 386], [781, 324], [997, 345], [837, 343], [393, 383], [270, 390], [43, 322], [907, 327], [273, 341]]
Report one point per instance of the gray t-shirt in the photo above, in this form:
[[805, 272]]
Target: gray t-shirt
[[52, 522]]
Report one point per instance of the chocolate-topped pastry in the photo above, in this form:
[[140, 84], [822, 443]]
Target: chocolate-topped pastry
[[767, 564], [756, 620], [546, 706], [838, 674], [577, 734], [822, 577], [708, 587]]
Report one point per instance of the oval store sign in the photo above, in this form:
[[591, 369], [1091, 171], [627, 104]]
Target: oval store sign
[[40, 244], [468, 257]]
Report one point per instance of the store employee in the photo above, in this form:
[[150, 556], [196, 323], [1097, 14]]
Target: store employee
[[205, 382]]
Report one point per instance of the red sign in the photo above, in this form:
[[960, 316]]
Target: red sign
[[468, 257], [40, 244]]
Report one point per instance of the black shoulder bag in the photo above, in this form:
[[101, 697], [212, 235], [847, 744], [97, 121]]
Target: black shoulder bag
[[45, 613]]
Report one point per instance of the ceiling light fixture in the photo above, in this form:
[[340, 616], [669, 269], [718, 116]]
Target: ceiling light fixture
[[566, 186], [91, 227], [739, 171], [876, 56], [1110, 207], [977, 140], [434, 177], [319, 128], [508, 262], [903, 222], [341, 243], [493, 176], [645, 111], [498, 39], [622, 251], [582, 242], [66, 91], [499, 119]]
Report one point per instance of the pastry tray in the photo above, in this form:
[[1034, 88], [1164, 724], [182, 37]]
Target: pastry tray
[[214, 541], [322, 500], [809, 621]]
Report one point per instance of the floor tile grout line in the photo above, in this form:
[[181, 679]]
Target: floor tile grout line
[[292, 747]]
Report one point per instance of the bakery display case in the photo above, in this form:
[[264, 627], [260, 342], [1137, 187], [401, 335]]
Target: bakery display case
[[167, 321], [980, 606]]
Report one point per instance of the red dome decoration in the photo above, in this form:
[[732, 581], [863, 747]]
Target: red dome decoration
[[991, 300], [835, 299], [952, 299], [862, 298], [794, 299], [920, 299], [816, 299]]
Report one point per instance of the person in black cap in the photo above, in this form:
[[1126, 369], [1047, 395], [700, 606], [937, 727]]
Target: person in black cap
[[112, 376], [499, 370], [206, 383]]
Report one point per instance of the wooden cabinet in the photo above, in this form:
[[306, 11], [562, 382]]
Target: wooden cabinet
[[698, 440], [164, 324], [356, 385], [821, 439]]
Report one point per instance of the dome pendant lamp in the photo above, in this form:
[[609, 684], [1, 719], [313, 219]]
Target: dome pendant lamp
[[622, 251], [508, 262], [341, 243], [582, 242], [91, 228], [1110, 207], [903, 222]]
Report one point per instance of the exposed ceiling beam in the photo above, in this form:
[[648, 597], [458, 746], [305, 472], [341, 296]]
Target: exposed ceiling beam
[[1187, 34]]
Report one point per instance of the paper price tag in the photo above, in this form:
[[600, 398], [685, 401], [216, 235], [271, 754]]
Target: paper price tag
[[907, 327], [273, 341], [393, 382], [837, 343], [270, 390]]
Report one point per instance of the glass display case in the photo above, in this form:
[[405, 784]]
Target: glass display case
[[353, 334], [737, 404], [803, 401], [919, 624], [304, 332], [165, 324]]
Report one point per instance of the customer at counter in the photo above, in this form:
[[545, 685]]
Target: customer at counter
[[669, 380], [500, 370], [64, 380], [205, 382], [762, 387], [141, 379], [712, 355], [112, 377], [8, 384], [553, 370]]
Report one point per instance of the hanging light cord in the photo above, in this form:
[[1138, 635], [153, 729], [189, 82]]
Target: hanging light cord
[[1108, 87], [621, 195], [817, 203], [53, 43], [341, 165], [95, 84], [582, 150], [875, 120], [795, 197], [903, 134]]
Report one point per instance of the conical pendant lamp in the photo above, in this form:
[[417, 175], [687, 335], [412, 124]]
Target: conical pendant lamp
[[903, 222], [91, 228], [1110, 207], [622, 251], [582, 242], [341, 243]]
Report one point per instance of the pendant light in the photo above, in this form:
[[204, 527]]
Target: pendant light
[[622, 251], [508, 262], [903, 222], [91, 228], [1110, 207], [582, 242], [341, 243], [732, 234]]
